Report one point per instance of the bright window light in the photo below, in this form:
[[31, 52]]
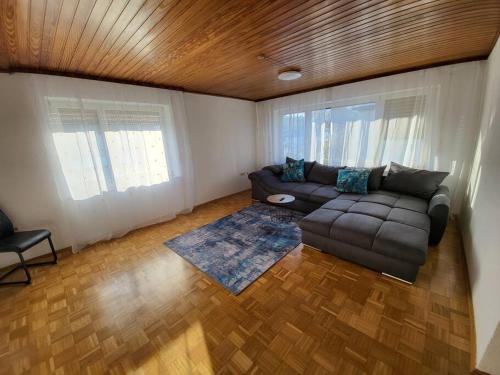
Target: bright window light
[[108, 146]]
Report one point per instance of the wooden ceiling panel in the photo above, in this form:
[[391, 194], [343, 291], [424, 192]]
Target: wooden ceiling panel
[[215, 46]]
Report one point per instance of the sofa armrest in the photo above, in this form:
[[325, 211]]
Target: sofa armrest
[[259, 192], [257, 175], [439, 210]]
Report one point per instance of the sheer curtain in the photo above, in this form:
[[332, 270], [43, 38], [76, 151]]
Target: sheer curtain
[[422, 119], [118, 153]]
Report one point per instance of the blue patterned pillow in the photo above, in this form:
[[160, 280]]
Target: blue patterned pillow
[[353, 180], [293, 171]]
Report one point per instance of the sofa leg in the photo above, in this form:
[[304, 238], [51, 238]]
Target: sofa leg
[[397, 278]]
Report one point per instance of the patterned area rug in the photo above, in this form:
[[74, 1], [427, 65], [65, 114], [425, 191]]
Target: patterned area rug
[[238, 248]]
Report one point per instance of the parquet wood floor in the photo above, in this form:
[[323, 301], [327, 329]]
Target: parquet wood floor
[[131, 305]]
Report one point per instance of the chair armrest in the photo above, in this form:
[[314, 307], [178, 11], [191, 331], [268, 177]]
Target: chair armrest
[[439, 211]]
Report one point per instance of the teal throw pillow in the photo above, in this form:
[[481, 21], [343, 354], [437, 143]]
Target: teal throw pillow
[[353, 180], [293, 171]]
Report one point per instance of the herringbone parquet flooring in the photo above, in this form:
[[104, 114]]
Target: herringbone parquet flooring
[[131, 305]]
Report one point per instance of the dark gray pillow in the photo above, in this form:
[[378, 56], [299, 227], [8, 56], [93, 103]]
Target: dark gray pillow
[[324, 174], [375, 178], [307, 165], [276, 169], [417, 182]]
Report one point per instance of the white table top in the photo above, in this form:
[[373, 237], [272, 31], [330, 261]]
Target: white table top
[[280, 198]]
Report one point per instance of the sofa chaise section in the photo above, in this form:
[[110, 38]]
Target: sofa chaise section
[[384, 231]]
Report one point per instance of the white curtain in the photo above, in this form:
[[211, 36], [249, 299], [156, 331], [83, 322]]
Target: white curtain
[[118, 154], [422, 119]]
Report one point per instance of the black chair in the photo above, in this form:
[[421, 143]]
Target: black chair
[[19, 242]]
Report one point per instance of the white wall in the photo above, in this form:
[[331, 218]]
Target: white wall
[[26, 190], [480, 222], [222, 137], [222, 134]]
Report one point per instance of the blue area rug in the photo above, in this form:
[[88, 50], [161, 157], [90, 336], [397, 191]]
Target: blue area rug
[[238, 248]]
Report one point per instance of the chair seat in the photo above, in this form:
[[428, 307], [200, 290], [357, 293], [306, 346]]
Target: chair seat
[[20, 241]]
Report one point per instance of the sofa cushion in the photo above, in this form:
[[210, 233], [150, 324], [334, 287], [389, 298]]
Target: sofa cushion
[[274, 185], [304, 190], [412, 203], [307, 165], [320, 221], [339, 205], [276, 169], [412, 218], [324, 174], [350, 196], [370, 209], [381, 197], [353, 180], [356, 229], [402, 242], [417, 182], [375, 178], [271, 182], [293, 171], [323, 193]]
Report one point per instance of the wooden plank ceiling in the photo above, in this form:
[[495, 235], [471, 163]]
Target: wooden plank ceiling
[[216, 46]]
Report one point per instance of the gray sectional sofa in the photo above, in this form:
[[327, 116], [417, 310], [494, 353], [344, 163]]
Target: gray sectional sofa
[[383, 230]]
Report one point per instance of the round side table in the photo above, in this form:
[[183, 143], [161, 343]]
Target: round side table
[[280, 213]]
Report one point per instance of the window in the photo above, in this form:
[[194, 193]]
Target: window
[[293, 127], [136, 149], [403, 138], [104, 147], [363, 135], [340, 135]]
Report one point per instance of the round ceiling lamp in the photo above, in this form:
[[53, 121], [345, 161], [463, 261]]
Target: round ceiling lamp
[[289, 75]]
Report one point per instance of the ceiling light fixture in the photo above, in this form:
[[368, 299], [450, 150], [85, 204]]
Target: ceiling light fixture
[[286, 75], [289, 75]]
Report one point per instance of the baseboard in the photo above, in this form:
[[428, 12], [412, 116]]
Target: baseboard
[[220, 198]]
